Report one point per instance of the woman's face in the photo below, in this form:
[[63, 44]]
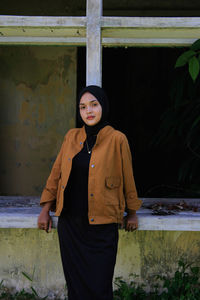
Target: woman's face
[[90, 109]]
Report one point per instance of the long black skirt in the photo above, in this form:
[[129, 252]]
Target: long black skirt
[[88, 254]]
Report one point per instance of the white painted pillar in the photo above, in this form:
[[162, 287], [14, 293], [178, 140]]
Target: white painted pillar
[[94, 48]]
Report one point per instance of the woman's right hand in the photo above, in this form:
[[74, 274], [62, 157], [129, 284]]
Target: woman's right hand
[[44, 219]]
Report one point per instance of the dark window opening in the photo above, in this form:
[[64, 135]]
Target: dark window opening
[[138, 82], [136, 8]]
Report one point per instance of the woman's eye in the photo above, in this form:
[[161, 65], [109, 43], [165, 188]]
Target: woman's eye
[[94, 104], [82, 107]]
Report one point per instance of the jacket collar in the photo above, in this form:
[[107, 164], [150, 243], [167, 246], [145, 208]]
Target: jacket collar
[[103, 133]]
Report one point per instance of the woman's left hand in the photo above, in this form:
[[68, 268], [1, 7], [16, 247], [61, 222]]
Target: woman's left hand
[[131, 222]]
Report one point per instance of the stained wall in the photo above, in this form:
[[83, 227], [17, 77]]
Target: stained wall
[[143, 253], [38, 96]]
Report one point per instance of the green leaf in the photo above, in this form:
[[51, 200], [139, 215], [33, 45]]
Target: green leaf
[[28, 277], [196, 121], [33, 274], [195, 270], [181, 263], [193, 67], [34, 291], [195, 45], [1, 283], [183, 58]]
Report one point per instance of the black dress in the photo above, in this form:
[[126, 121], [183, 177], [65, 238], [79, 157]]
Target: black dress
[[88, 252]]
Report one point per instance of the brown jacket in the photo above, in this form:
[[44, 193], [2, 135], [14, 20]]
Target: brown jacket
[[111, 186]]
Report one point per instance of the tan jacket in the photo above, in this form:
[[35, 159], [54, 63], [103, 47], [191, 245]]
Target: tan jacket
[[111, 186]]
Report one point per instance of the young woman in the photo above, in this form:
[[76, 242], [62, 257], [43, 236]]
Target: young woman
[[90, 186]]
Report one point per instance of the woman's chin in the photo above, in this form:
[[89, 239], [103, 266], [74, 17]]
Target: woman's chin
[[91, 122]]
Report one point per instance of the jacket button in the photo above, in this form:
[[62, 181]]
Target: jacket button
[[91, 195], [63, 187], [81, 143], [92, 220], [69, 158], [92, 166]]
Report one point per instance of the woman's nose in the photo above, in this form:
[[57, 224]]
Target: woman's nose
[[89, 109]]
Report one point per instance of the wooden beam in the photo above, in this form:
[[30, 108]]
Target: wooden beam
[[154, 33], [146, 42], [94, 48], [116, 31], [133, 28], [42, 32], [38, 40], [131, 22], [106, 42], [150, 22], [30, 21]]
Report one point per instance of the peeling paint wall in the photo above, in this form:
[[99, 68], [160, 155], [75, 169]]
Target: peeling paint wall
[[38, 102], [144, 253]]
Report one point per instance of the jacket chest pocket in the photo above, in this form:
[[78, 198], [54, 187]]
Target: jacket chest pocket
[[112, 190]]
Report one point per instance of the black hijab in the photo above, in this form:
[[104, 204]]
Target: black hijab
[[101, 96]]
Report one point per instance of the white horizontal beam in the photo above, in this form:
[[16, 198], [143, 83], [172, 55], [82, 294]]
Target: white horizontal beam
[[115, 22], [35, 21], [150, 22], [106, 42], [150, 31], [115, 31], [33, 40], [147, 42], [78, 41]]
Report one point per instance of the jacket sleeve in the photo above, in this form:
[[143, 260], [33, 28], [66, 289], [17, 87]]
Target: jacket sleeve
[[130, 192], [50, 191]]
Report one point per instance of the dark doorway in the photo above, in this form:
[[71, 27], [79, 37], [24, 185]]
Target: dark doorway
[[138, 83]]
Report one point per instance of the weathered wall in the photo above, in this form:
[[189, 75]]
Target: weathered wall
[[144, 253], [38, 96]]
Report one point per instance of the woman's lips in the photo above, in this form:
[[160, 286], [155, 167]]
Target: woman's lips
[[90, 118]]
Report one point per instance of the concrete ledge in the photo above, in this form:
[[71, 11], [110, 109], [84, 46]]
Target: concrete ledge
[[22, 212]]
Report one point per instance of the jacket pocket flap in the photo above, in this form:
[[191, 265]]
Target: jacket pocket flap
[[112, 182]]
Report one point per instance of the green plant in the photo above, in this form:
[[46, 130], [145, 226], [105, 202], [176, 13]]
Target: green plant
[[5, 294], [128, 291], [180, 123], [192, 57], [23, 294], [184, 285], [31, 279]]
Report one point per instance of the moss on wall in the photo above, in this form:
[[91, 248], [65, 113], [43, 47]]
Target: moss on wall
[[149, 253], [38, 101], [144, 253]]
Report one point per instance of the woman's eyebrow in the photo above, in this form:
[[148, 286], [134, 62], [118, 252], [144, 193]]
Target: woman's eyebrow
[[89, 101]]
